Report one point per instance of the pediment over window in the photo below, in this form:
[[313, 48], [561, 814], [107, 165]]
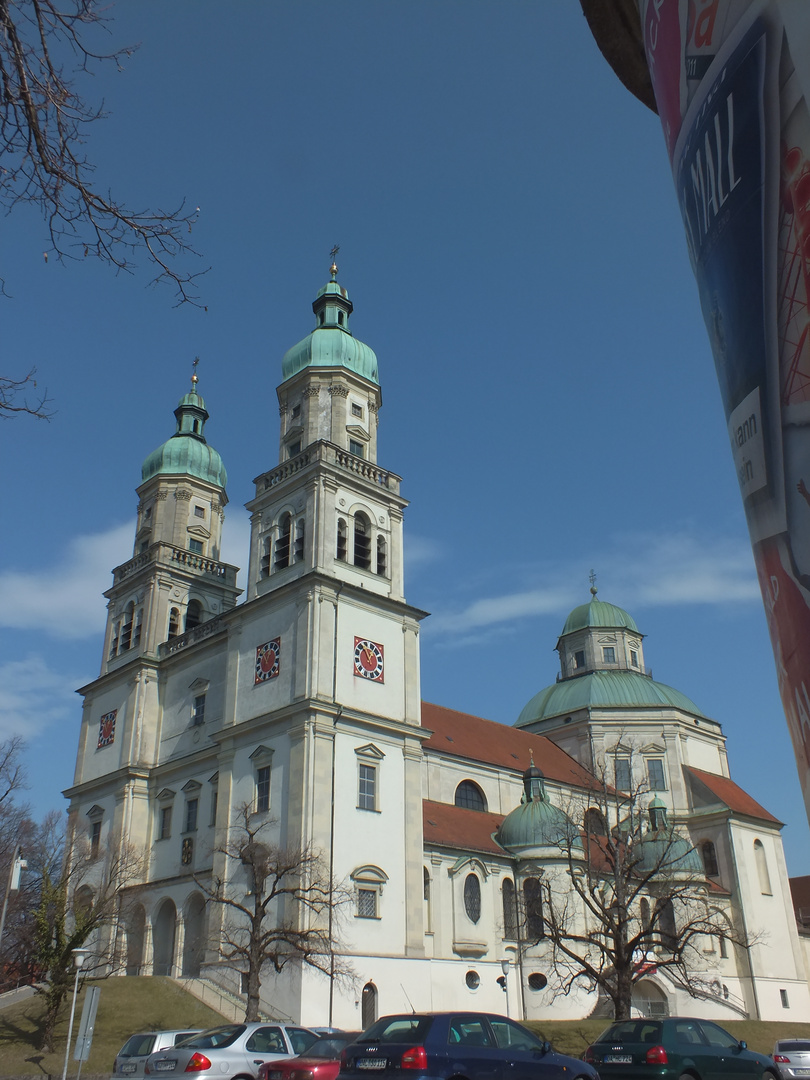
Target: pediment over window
[[262, 755], [358, 432], [200, 685], [370, 874], [369, 751], [192, 785], [166, 795], [468, 865], [95, 812], [198, 530], [214, 779], [653, 748], [293, 433]]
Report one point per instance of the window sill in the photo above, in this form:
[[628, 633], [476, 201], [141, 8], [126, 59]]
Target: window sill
[[369, 918], [369, 809]]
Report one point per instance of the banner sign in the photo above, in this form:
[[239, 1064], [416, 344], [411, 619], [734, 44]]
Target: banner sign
[[732, 84]]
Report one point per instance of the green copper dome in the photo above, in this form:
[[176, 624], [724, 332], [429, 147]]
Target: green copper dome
[[331, 343], [187, 453], [604, 689], [536, 823], [598, 613]]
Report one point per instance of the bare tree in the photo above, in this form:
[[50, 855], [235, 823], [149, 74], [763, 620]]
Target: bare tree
[[80, 891], [628, 896], [23, 396], [48, 48], [276, 902]]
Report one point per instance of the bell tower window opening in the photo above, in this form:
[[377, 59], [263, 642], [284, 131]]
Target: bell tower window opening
[[381, 557], [114, 640], [362, 541], [281, 558], [126, 629], [136, 634], [342, 545], [298, 549], [174, 623], [267, 548], [193, 614]]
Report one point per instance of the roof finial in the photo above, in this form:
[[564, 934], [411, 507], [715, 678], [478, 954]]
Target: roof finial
[[333, 255], [592, 579], [531, 759], [194, 379]]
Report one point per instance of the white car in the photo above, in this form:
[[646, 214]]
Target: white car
[[231, 1051], [131, 1058], [792, 1058]]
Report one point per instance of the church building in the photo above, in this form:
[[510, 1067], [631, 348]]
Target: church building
[[301, 703]]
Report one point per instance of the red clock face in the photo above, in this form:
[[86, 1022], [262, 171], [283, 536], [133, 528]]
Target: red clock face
[[368, 660], [268, 658]]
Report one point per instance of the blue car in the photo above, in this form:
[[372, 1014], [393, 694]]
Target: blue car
[[445, 1045]]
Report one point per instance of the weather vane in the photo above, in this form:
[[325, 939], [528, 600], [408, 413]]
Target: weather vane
[[592, 579], [333, 255], [194, 379]]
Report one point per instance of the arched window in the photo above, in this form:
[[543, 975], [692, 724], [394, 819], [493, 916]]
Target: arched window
[[281, 558], [428, 912], [510, 920], [382, 565], [369, 1006], [126, 629], [83, 902], [594, 822], [667, 926], [709, 856], [470, 796], [762, 868], [472, 897], [645, 913], [341, 540], [362, 541], [298, 550], [533, 904], [174, 623], [193, 614]]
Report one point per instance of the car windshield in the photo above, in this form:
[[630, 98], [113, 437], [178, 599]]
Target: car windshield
[[787, 1046], [632, 1031], [216, 1037], [329, 1047], [398, 1029], [137, 1046]]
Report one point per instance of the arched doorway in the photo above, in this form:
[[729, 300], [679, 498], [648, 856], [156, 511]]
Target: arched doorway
[[369, 1005], [195, 936], [136, 927], [163, 928], [650, 999]]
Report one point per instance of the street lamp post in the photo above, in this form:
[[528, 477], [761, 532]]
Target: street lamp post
[[505, 970], [79, 957]]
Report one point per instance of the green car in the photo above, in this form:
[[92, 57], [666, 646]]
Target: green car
[[675, 1048]]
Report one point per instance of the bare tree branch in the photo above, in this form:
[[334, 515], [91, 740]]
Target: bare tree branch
[[14, 398]]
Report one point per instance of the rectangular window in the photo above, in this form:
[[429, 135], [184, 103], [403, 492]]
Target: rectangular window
[[95, 839], [367, 903], [165, 823], [199, 511], [294, 449], [198, 710], [367, 790], [723, 947], [195, 546], [296, 412], [784, 997], [622, 769], [356, 448], [214, 797], [633, 658], [579, 659], [655, 774], [191, 815], [357, 410], [608, 654], [263, 789]]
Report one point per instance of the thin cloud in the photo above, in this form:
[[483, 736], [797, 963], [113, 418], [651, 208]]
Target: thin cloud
[[34, 697], [420, 551], [639, 571]]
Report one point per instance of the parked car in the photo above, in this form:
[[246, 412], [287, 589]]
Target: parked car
[[478, 1046], [792, 1058], [131, 1058], [320, 1062], [671, 1047], [233, 1050]]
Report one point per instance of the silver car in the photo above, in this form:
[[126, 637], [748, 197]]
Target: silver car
[[231, 1051], [792, 1058], [131, 1058]]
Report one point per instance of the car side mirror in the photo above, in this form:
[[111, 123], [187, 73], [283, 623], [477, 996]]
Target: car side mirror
[[546, 1046], [743, 1044]]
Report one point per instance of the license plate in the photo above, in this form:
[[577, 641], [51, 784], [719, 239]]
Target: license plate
[[618, 1059], [165, 1066], [128, 1068], [276, 1075], [371, 1063]]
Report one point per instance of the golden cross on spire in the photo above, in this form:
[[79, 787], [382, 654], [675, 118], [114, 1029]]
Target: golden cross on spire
[[333, 255], [194, 379], [592, 579]]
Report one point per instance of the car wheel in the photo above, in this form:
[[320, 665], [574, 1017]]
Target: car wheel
[[688, 1076], [768, 1075]]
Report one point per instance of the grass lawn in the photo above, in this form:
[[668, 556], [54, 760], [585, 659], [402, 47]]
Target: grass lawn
[[124, 1007], [573, 1036]]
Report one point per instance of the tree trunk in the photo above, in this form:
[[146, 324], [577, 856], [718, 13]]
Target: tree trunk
[[624, 995]]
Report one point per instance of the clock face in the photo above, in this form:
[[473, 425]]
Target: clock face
[[106, 729], [267, 661], [368, 660]]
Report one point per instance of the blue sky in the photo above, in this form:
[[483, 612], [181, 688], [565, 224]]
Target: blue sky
[[511, 242]]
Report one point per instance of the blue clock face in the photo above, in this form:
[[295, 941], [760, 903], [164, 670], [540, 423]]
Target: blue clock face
[[268, 660], [368, 660]]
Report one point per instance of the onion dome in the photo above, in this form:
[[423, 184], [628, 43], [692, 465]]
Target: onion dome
[[604, 689], [536, 823], [331, 344], [665, 852], [187, 453]]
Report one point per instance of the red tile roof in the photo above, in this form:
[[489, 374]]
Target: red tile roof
[[458, 827], [800, 891], [462, 735], [732, 796]]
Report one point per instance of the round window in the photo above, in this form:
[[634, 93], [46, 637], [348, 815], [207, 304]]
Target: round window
[[537, 981], [473, 980]]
